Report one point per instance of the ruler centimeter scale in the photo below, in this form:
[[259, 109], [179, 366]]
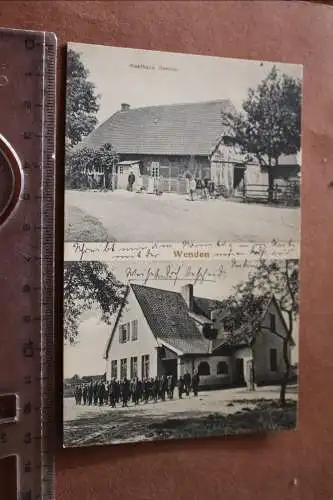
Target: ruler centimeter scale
[[27, 188]]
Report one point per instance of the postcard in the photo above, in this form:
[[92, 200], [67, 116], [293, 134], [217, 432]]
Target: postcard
[[181, 254], [169, 350], [172, 147]]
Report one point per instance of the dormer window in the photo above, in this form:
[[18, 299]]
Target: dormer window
[[209, 332], [228, 140]]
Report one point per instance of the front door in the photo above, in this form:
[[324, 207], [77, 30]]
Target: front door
[[170, 367], [122, 180], [154, 177], [239, 369], [238, 176]]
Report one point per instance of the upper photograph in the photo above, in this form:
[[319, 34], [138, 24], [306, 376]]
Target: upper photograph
[[166, 147]]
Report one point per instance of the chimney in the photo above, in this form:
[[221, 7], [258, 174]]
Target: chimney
[[187, 293], [125, 106]]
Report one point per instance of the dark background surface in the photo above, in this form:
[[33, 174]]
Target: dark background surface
[[287, 465]]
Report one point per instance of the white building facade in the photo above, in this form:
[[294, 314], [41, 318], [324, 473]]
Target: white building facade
[[136, 348]]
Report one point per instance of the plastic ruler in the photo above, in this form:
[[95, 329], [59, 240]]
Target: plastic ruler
[[27, 187]]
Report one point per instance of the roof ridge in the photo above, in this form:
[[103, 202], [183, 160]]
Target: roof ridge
[[207, 298], [174, 104], [186, 128], [154, 288]]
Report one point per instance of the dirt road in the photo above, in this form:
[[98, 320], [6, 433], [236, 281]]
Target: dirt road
[[135, 217], [218, 412]]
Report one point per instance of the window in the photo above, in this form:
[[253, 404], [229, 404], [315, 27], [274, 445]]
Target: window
[[134, 329], [123, 368], [155, 169], [222, 368], [273, 360], [272, 321], [145, 366], [203, 368], [134, 367], [121, 169], [124, 333], [114, 369]]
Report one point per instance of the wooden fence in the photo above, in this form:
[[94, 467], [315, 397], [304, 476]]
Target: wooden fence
[[287, 194]]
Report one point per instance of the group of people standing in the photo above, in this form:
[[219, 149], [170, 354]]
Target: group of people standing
[[136, 390], [201, 188]]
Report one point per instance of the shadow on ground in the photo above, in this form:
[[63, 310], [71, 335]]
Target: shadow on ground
[[81, 226]]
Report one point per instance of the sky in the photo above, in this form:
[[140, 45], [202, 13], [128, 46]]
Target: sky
[[188, 78], [86, 357]]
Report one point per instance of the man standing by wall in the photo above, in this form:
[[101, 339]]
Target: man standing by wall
[[131, 180]]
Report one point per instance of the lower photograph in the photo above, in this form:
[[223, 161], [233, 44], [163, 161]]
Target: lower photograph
[[175, 350]]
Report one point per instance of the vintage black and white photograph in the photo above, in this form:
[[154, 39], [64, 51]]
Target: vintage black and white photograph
[[172, 350], [165, 147]]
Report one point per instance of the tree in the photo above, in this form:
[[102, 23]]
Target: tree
[[246, 306], [107, 159], [270, 124], [81, 101], [85, 160], [242, 316], [87, 284], [282, 279], [79, 163]]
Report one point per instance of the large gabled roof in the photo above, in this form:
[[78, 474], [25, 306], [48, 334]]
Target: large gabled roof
[[173, 129], [168, 317], [172, 323]]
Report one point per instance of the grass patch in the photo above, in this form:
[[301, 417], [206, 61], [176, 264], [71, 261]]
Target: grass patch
[[83, 227], [266, 416]]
